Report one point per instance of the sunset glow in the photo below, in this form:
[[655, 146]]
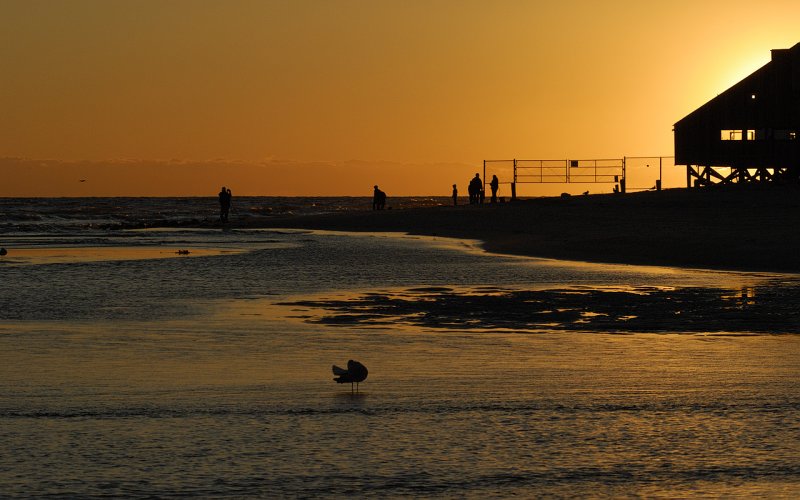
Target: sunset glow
[[325, 98]]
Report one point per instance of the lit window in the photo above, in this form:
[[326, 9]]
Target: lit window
[[792, 136], [738, 135], [731, 135]]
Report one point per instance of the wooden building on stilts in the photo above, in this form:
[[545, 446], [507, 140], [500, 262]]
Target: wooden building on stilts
[[749, 133]]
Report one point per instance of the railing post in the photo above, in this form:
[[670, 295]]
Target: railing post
[[515, 171], [514, 184], [622, 181]]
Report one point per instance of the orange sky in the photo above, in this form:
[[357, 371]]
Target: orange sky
[[330, 97]]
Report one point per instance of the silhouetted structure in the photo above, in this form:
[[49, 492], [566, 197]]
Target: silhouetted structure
[[751, 128], [355, 373], [586, 171]]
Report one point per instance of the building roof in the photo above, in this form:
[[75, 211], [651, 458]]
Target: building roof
[[768, 98]]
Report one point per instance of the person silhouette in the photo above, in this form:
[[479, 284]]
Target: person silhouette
[[224, 204], [455, 195], [378, 198], [222, 195], [494, 185], [475, 189], [471, 191]]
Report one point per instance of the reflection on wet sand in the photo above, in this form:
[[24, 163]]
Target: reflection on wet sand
[[768, 308], [177, 377]]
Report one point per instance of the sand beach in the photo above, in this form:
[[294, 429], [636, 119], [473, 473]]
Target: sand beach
[[751, 228]]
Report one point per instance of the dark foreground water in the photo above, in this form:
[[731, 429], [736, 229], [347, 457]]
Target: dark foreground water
[[127, 369]]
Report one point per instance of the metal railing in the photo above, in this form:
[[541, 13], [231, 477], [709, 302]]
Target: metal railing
[[583, 171]]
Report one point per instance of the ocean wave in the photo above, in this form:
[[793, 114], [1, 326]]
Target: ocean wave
[[55, 215]]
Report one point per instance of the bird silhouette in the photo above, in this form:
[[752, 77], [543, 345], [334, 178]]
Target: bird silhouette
[[355, 373]]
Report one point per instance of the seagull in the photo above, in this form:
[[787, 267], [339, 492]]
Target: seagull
[[355, 373]]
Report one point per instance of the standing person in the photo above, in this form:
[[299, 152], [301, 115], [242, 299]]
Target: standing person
[[475, 189], [224, 204], [494, 185], [455, 196], [471, 191], [381, 200], [378, 198], [229, 199]]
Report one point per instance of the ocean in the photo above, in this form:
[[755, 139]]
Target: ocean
[[146, 351]]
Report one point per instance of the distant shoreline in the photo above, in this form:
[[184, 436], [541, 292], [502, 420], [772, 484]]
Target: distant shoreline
[[743, 228]]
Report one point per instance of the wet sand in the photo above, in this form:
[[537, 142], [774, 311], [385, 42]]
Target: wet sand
[[742, 228], [762, 309]]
